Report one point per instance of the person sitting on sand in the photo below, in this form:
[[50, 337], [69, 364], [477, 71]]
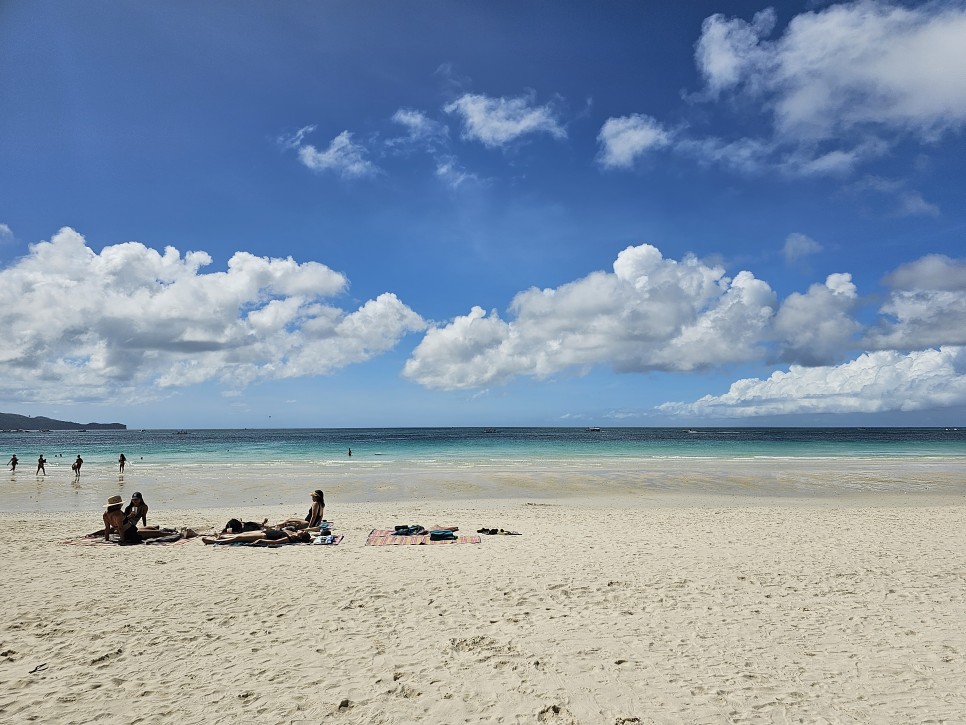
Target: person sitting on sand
[[313, 519], [137, 510], [116, 522], [268, 537]]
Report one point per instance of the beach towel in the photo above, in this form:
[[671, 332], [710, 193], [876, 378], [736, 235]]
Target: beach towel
[[171, 540], [331, 540], [385, 537]]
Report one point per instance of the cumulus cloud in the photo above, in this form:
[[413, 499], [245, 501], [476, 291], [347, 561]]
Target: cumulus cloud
[[874, 382], [622, 140], [343, 156], [816, 327], [926, 306], [798, 246], [495, 122], [6, 234], [131, 319], [650, 313]]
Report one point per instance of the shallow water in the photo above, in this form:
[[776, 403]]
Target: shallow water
[[246, 468]]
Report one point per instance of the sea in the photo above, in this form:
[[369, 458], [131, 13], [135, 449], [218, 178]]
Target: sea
[[197, 467]]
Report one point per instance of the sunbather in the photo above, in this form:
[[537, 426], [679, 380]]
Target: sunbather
[[268, 537], [312, 520]]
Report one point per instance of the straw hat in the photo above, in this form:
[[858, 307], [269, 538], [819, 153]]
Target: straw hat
[[317, 493], [114, 501]]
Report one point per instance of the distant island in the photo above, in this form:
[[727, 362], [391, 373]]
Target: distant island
[[12, 421]]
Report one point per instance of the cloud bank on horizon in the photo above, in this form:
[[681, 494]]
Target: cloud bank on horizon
[[133, 322]]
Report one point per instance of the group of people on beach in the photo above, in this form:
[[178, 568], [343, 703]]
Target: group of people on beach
[[124, 523], [75, 466], [289, 531]]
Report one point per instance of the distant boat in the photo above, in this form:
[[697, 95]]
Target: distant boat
[[181, 433], [593, 430]]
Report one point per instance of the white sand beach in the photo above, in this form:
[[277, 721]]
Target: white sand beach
[[650, 608]]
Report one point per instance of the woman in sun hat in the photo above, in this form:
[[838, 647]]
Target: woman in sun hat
[[313, 518], [116, 521]]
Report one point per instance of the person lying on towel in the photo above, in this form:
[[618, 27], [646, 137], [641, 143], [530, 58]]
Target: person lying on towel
[[266, 537]]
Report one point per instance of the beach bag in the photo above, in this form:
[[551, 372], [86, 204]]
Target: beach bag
[[442, 535]]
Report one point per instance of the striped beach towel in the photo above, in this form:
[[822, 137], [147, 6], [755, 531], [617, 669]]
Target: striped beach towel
[[385, 537]]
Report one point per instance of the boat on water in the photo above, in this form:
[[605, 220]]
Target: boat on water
[[593, 430]]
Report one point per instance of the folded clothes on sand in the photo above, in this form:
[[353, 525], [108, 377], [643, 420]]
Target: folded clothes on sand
[[385, 537], [501, 532]]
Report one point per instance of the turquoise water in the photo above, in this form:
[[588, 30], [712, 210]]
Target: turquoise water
[[256, 468], [478, 445]]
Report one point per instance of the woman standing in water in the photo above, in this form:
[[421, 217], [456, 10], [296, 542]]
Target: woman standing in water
[[120, 463], [13, 463]]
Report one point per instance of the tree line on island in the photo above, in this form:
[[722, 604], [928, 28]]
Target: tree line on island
[[12, 421]]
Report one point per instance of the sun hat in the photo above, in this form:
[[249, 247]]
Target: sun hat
[[318, 493], [114, 501]]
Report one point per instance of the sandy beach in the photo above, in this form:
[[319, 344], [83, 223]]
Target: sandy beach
[[651, 608]]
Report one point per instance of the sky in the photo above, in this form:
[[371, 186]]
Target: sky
[[503, 213]]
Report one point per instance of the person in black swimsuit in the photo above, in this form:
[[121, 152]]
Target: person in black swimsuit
[[120, 463], [137, 510], [268, 537], [13, 463], [116, 522], [41, 461]]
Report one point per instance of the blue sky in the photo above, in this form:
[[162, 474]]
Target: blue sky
[[450, 213]]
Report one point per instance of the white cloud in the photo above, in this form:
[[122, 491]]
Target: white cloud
[[497, 121], [295, 140], [449, 171], [926, 306], [623, 140], [6, 234], [343, 156], [815, 328], [651, 313], [799, 245], [130, 319], [863, 64], [420, 128], [873, 383], [932, 272], [839, 87]]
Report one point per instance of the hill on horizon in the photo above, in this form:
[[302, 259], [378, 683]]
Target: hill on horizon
[[13, 421]]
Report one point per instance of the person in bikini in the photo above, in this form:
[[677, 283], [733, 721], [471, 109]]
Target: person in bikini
[[313, 519], [137, 510], [268, 537], [116, 522]]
